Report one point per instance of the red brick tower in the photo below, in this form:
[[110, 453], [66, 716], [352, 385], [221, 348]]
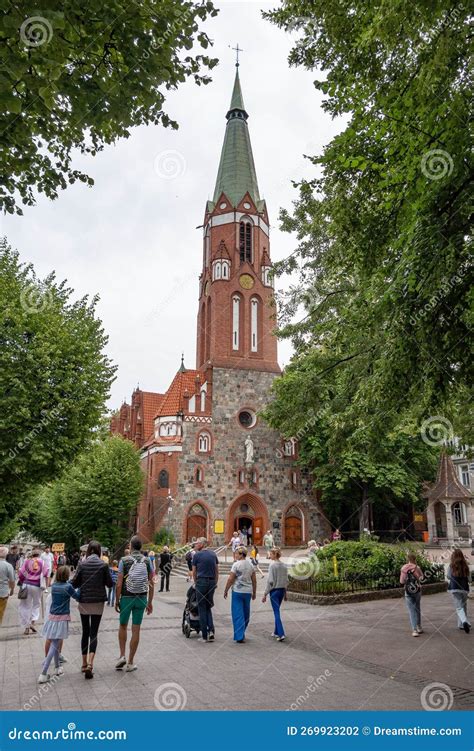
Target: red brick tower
[[236, 311]]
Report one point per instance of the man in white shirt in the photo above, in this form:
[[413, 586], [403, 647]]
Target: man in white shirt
[[48, 559]]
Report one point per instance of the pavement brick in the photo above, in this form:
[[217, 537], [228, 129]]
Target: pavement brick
[[353, 656]]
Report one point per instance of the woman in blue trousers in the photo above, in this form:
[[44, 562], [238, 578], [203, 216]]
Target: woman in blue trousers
[[277, 584], [243, 582]]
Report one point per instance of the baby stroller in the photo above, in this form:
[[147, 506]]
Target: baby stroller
[[190, 614]]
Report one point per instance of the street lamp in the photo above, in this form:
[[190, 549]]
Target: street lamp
[[170, 500]]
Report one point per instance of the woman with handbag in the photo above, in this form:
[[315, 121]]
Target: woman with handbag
[[92, 576], [30, 576]]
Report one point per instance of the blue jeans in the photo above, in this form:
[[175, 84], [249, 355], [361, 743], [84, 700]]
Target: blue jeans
[[111, 597], [414, 609], [460, 603], [276, 598], [205, 589], [240, 609]]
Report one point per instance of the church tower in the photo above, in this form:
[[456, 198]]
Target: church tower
[[236, 310]]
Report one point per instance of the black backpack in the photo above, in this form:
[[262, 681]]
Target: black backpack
[[412, 584]]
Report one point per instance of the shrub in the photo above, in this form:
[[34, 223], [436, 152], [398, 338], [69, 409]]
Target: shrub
[[369, 559], [164, 536]]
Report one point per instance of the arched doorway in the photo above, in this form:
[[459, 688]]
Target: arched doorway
[[440, 520], [196, 524], [248, 510], [294, 533]]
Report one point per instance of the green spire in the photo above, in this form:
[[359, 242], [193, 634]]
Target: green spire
[[236, 174]]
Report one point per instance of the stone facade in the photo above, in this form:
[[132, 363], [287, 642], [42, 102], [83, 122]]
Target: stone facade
[[268, 495]]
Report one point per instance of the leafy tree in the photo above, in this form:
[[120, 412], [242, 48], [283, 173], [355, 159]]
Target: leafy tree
[[54, 378], [80, 75], [384, 249], [93, 499], [356, 460]]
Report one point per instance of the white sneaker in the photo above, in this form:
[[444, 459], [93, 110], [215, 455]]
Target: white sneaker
[[44, 678], [280, 638], [121, 663], [415, 633], [59, 671], [130, 668]]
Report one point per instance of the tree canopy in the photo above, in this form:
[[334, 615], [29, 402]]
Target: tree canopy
[[80, 75], [93, 499], [383, 305], [54, 378]]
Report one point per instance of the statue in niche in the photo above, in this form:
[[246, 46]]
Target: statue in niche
[[249, 450]]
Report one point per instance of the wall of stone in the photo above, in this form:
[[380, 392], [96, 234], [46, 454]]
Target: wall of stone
[[234, 390]]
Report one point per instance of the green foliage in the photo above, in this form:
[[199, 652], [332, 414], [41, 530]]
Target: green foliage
[[93, 499], [384, 243], [164, 536], [54, 378], [80, 75], [365, 559]]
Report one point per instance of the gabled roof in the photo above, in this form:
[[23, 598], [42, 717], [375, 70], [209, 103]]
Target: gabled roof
[[236, 174], [173, 401], [447, 485], [222, 251], [151, 402]]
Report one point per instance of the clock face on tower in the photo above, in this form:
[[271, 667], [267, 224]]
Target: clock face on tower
[[246, 281]]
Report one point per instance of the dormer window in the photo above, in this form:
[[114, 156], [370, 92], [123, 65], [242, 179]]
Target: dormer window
[[245, 241], [220, 269], [267, 277]]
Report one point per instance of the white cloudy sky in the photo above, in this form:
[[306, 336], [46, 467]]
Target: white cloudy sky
[[132, 238]]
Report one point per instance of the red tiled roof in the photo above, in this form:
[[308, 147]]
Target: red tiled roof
[[173, 401], [447, 485], [151, 403]]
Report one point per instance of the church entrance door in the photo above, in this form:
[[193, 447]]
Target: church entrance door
[[196, 527], [293, 531], [258, 531]]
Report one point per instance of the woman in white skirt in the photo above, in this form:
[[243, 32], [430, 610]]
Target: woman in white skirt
[[30, 576], [56, 628]]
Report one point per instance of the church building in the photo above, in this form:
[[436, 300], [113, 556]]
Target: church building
[[211, 463]]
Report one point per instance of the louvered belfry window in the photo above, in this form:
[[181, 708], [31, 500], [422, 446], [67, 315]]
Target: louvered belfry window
[[245, 242]]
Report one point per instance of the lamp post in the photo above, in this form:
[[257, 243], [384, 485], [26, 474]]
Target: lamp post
[[170, 500]]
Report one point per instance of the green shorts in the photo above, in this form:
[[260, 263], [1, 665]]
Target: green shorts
[[134, 606]]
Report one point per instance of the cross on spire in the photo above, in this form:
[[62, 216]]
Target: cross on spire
[[237, 50]]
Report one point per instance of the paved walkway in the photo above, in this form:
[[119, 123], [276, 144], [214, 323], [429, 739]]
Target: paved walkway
[[359, 656]]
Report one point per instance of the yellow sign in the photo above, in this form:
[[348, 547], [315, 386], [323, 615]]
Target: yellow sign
[[419, 517], [219, 526], [58, 547]]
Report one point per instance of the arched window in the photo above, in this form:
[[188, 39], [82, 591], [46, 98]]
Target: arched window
[[204, 443], [203, 400], [225, 269], [459, 513], [163, 479], [199, 475], [241, 477], [254, 324], [235, 322], [245, 241]]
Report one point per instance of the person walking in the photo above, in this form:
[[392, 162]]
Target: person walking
[[243, 582], [458, 587], [254, 560], [30, 576], [206, 576], [114, 577], [268, 542], [13, 557], [92, 576], [152, 557], [189, 561], [166, 559], [135, 589], [7, 580], [48, 558], [56, 627], [410, 576], [277, 584], [235, 542]]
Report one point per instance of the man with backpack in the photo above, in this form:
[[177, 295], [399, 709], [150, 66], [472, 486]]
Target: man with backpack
[[134, 595]]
